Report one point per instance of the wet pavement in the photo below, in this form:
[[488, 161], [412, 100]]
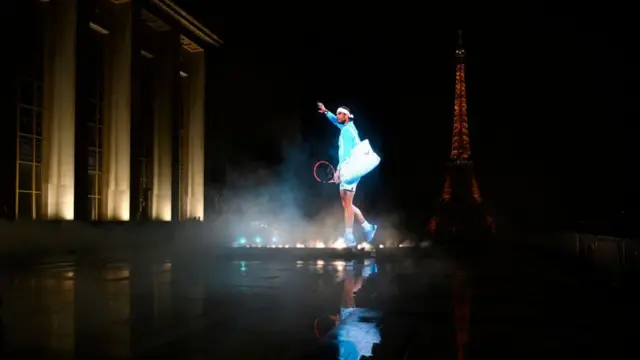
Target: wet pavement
[[193, 305]]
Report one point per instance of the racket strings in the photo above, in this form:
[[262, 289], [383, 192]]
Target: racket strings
[[329, 173], [323, 172]]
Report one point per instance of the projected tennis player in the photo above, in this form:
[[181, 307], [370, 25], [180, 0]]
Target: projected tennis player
[[347, 141]]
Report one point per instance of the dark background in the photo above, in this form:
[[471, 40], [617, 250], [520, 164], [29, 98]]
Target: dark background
[[552, 101]]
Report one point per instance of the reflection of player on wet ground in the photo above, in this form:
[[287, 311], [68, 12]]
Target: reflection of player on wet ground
[[354, 277], [347, 141], [357, 330], [356, 333]]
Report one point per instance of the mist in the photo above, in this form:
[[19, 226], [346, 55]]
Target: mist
[[257, 204]]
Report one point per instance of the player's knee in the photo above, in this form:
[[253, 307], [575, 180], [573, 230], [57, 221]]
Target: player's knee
[[345, 204]]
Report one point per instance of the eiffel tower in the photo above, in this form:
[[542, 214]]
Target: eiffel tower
[[460, 209]]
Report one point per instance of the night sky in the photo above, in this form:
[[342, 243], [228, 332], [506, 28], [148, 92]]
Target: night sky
[[552, 100]]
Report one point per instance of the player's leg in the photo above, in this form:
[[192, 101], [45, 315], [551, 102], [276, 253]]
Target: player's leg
[[357, 215], [346, 196], [369, 229], [347, 191]]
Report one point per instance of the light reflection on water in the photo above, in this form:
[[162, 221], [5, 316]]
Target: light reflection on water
[[92, 307]]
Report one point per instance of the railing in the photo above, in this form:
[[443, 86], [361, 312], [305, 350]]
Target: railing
[[607, 258]]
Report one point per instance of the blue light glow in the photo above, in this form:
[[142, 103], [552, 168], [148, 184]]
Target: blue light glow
[[356, 339], [258, 239]]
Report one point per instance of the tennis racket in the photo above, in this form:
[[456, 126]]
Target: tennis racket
[[324, 172]]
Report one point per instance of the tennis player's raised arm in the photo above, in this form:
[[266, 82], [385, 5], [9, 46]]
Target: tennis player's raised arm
[[329, 115]]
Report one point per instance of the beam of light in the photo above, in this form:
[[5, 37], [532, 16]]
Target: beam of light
[[365, 245], [339, 244], [298, 245], [241, 241], [339, 265]]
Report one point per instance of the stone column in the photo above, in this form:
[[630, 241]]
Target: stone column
[[59, 91], [116, 190], [193, 146], [84, 111], [165, 74], [137, 130]]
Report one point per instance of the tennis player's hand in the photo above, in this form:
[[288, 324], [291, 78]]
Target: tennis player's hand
[[336, 177], [321, 108]]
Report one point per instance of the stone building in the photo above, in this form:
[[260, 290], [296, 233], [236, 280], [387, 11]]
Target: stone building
[[107, 118]]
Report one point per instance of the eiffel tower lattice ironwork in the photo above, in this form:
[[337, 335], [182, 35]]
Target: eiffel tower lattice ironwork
[[460, 209]]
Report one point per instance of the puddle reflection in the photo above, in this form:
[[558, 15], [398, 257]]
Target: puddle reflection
[[461, 311], [121, 310], [355, 337], [352, 332], [155, 307]]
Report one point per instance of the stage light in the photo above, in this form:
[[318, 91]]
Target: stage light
[[258, 240], [339, 244]]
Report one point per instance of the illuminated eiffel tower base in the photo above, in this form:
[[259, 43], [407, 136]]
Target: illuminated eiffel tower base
[[461, 212]]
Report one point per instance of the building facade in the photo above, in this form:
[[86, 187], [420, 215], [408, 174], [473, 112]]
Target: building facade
[[107, 120]]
